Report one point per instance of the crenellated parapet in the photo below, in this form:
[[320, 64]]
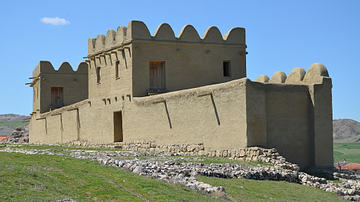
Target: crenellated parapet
[[45, 67], [298, 75], [138, 31]]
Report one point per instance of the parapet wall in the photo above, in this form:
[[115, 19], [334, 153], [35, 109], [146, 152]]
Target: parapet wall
[[65, 68], [298, 75], [137, 30], [314, 103]]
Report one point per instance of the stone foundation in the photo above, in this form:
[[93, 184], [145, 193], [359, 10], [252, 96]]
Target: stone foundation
[[250, 154]]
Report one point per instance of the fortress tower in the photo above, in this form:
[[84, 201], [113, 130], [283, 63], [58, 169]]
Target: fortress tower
[[54, 89], [132, 61]]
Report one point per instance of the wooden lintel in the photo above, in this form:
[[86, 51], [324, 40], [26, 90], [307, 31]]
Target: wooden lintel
[[201, 95], [72, 109], [159, 102]]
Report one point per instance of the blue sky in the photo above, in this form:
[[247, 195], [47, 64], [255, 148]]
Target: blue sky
[[280, 36]]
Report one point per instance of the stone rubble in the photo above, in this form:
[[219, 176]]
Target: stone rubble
[[250, 154], [19, 135], [160, 166]]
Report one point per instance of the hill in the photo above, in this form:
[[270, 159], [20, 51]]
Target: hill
[[65, 172], [8, 122], [346, 131]]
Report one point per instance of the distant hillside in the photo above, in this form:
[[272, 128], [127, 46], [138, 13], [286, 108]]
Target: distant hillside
[[346, 131], [8, 122]]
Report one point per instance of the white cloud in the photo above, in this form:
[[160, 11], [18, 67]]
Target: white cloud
[[55, 21]]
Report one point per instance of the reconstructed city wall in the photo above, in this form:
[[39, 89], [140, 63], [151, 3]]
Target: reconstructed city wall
[[208, 98], [231, 115], [149, 117], [214, 115]]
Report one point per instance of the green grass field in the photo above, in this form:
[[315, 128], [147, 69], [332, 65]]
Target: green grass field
[[4, 122], [348, 151], [43, 178]]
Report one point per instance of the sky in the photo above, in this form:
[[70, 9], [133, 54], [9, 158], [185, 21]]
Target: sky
[[280, 35]]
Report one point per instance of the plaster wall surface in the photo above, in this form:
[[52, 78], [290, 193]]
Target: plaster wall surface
[[256, 114], [214, 115], [186, 65], [322, 100], [115, 74], [288, 120], [69, 126]]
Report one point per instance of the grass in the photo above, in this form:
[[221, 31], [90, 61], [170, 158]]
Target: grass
[[252, 190], [61, 147], [348, 151], [43, 178], [4, 122]]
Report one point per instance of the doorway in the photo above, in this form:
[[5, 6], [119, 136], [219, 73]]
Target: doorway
[[118, 129]]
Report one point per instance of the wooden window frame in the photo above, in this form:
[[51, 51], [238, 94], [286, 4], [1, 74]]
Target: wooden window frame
[[158, 73]]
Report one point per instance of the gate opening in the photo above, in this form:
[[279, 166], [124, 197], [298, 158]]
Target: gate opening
[[118, 129]]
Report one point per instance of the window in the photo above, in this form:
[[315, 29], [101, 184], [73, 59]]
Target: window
[[57, 96], [226, 68], [117, 69], [98, 76], [157, 75]]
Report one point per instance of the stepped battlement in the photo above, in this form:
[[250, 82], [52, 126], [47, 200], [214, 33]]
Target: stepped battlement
[[65, 68], [138, 31]]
